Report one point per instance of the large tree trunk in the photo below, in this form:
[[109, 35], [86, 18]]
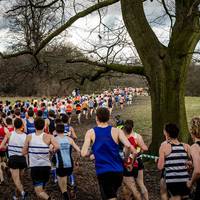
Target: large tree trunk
[[167, 102], [165, 66]]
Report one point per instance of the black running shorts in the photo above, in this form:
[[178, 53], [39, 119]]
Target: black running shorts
[[17, 162], [109, 183], [140, 164], [40, 175], [197, 191], [177, 189], [62, 172], [133, 173], [2, 154]]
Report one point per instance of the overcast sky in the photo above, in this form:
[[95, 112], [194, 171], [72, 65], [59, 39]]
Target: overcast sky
[[81, 29]]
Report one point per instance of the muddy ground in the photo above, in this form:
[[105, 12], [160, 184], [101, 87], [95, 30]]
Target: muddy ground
[[87, 187]]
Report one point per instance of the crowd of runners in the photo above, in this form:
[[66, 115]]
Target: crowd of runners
[[38, 135]]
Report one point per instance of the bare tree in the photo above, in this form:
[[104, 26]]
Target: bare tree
[[165, 65]]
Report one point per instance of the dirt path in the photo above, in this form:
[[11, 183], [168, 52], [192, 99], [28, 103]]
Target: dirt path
[[87, 187]]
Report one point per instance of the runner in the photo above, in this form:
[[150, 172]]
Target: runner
[[29, 122], [173, 156], [121, 101], [78, 112], [91, 106], [9, 124], [140, 147], [64, 161], [131, 167], [109, 166], [37, 145], [17, 162], [195, 154], [68, 130], [3, 133], [110, 104], [50, 123], [137, 141], [85, 108], [69, 109]]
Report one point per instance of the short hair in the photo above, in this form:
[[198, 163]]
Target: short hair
[[9, 121], [51, 113], [18, 123], [39, 123], [30, 112], [60, 127], [39, 113], [103, 115], [195, 127], [128, 126], [65, 118], [172, 130], [17, 112], [58, 120]]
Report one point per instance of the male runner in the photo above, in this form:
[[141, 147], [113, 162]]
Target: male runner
[[109, 166], [37, 145]]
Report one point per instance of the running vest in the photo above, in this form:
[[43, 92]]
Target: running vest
[[10, 129], [69, 108], [175, 165], [38, 151], [63, 155], [91, 104], [51, 125], [45, 114], [66, 130], [78, 107], [110, 102], [16, 144], [2, 135], [30, 127], [22, 115], [106, 152]]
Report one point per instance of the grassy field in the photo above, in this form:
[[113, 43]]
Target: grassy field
[[140, 112]]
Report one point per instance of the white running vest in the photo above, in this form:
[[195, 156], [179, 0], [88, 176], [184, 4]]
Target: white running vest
[[38, 151], [16, 144]]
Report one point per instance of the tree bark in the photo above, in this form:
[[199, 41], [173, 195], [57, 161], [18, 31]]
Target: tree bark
[[168, 104]]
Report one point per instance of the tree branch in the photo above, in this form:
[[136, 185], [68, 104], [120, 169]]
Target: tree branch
[[149, 48], [72, 20], [127, 69], [66, 25], [20, 53]]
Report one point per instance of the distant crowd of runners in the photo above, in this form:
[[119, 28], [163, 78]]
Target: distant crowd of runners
[[37, 134]]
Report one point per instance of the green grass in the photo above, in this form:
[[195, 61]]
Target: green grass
[[140, 112]]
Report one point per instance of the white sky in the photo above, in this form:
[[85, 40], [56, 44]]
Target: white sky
[[81, 29]]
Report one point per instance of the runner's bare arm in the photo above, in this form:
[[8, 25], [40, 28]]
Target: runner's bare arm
[[26, 145], [54, 143], [25, 128], [196, 160], [161, 160], [74, 145], [47, 122], [86, 144], [6, 138], [73, 133], [141, 143]]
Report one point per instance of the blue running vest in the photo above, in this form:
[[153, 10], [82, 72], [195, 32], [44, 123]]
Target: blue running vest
[[30, 127], [106, 152], [63, 155]]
